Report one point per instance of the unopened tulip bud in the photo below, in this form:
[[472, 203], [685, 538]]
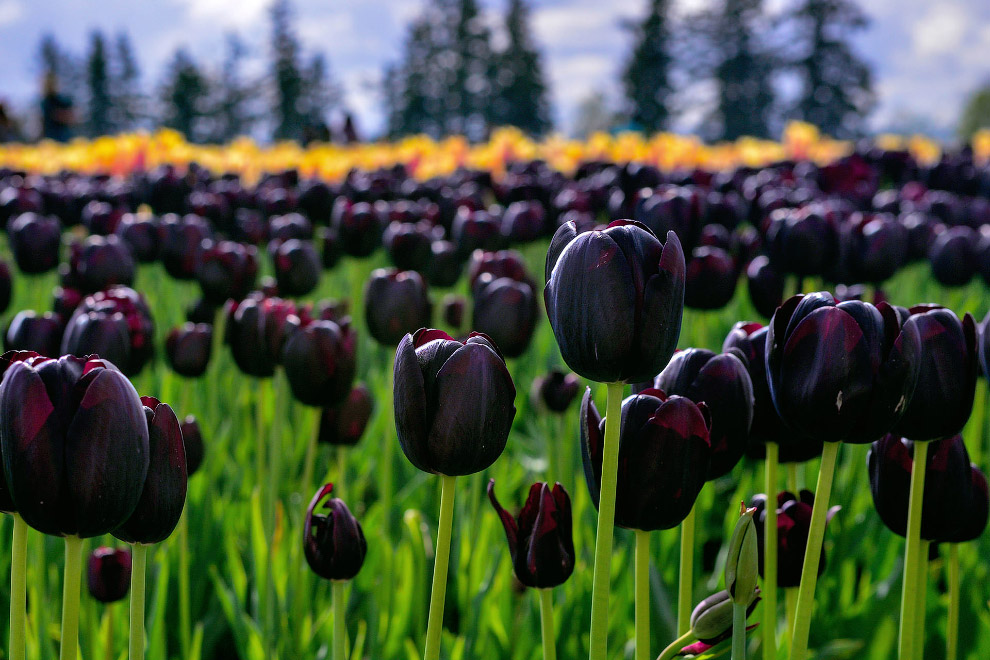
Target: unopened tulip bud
[[742, 565]]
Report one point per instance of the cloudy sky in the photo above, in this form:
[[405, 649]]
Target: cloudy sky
[[927, 55]]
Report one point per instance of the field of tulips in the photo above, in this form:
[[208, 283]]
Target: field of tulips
[[309, 317]]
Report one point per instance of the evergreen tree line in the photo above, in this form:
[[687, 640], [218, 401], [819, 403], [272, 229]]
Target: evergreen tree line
[[455, 75]]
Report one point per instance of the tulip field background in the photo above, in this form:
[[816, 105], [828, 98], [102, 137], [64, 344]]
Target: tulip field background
[[487, 616]]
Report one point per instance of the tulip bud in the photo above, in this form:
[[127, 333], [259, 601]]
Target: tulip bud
[[556, 390], [117, 322], [164, 495], [395, 303], [452, 310], [343, 423], [742, 565], [35, 241], [227, 270], [358, 227], [30, 332], [109, 574], [256, 332], [333, 543], [711, 620], [181, 248], [329, 243], [409, 245], [99, 263], [710, 278], [187, 349], [793, 527], [140, 232], [192, 439], [297, 267], [319, 361], [765, 285], [505, 310], [445, 265]]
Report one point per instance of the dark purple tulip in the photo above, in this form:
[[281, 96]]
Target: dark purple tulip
[[180, 244], [943, 397], [948, 485], [710, 278], [475, 230], [556, 390], [289, 226], [101, 218], [664, 453], [953, 256], [452, 310], [35, 241], [506, 311], [748, 340], [976, 513], [297, 267], [316, 200], [765, 285], [358, 227], [66, 300], [722, 382], [921, 233], [409, 245], [119, 322], [109, 574], [446, 264], [344, 422], [615, 300], [793, 525], [39, 334], [541, 541], [250, 227], [854, 399], [100, 262], [140, 233], [453, 402], [256, 332], [881, 247], [395, 304], [74, 441], [6, 286], [320, 360], [164, 494], [192, 439], [330, 251], [188, 348], [801, 241], [333, 542], [227, 270], [672, 208], [503, 263], [524, 221]]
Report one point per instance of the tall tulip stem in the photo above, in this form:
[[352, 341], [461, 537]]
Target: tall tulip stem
[[675, 647], [310, 460], [642, 578], [739, 632], [388, 445], [912, 557], [606, 524], [185, 618], [813, 553], [70, 597], [138, 573], [438, 594], [921, 590], [770, 555], [952, 617], [792, 476], [18, 589], [339, 620], [108, 640], [685, 579], [790, 604], [546, 624]]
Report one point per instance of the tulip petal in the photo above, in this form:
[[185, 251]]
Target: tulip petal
[[409, 403]]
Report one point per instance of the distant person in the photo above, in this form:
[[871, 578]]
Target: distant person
[[57, 116]]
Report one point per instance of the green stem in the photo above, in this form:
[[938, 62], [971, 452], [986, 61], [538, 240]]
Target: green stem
[[70, 597], [921, 589], [339, 620], [434, 625], [770, 555], [792, 477], [606, 524], [739, 632], [642, 578], [310, 461], [952, 622], [685, 582], [906, 640], [546, 624], [813, 552], [790, 604], [675, 647], [259, 438], [185, 636], [138, 573], [271, 497], [387, 449], [108, 647], [18, 589]]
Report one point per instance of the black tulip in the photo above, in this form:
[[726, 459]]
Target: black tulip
[[333, 542], [41, 334], [117, 322], [445, 264], [35, 241], [765, 286], [192, 438], [506, 310], [854, 399], [330, 250], [664, 454], [188, 348], [541, 541], [556, 390], [615, 300], [227, 270], [452, 310], [948, 485], [108, 574], [453, 402], [100, 262], [74, 441], [793, 526], [256, 333], [181, 244], [140, 233], [297, 267], [409, 245], [976, 513], [722, 382], [710, 279], [953, 256], [320, 360], [358, 227], [395, 303], [344, 422]]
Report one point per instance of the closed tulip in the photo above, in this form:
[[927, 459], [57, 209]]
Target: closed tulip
[[793, 524], [227, 270], [141, 234], [108, 574], [506, 310], [445, 264], [409, 245], [711, 278], [344, 422], [453, 402], [35, 241], [297, 267], [116, 321], [333, 542], [192, 438], [395, 303], [74, 441], [39, 333], [615, 300], [541, 543], [256, 332], [358, 227], [320, 360], [556, 390], [765, 285], [975, 514], [664, 455], [181, 244], [188, 348], [100, 262]]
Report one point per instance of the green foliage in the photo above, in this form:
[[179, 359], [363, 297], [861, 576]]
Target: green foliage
[[184, 97], [99, 101], [520, 91], [647, 75], [976, 113], [125, 86]]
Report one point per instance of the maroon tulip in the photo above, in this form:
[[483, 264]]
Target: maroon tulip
[[395, 303], [118, 322], [793, 525], [188, 348], [556, 390], [333, 542], [227, 270], [100, 262], [109, 574], [30, 332], [320, 359], [343, 423], [192, 438], [256, 332], [297, 267]]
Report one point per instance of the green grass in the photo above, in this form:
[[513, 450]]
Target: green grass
[[487, 615]]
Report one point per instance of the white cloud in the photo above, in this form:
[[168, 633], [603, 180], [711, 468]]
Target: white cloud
[[226, 13], [11, 11], [940, 30]]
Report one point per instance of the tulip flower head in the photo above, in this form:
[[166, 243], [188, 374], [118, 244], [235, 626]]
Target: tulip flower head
[[109, 574], [333, 542], [793, 525]]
